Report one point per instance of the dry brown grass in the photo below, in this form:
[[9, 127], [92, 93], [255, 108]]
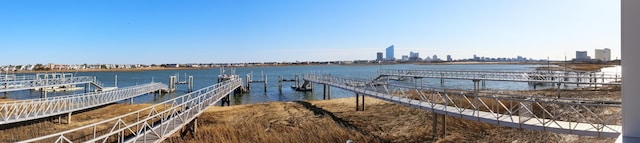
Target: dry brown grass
[[380, 122], [272, 122], [28, 130]]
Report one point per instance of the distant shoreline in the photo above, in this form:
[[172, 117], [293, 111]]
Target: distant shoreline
[[558, 66]]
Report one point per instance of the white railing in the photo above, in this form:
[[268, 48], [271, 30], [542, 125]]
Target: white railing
[[553, 77], [42, 83], [562, 115], [151, 124], [24, 110], [12, 77]]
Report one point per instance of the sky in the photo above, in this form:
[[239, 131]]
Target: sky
[[224, 31]]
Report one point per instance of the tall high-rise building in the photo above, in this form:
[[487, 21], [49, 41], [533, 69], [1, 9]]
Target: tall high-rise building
[[582, 55], [603, 54], [449, 59], [390, 55], [414, 56], [405, 58], [379, 56]]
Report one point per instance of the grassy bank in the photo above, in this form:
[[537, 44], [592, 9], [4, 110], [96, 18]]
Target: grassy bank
[[317, 121], [337, 121], [42, 127]]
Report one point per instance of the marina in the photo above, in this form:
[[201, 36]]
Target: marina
[[390, 85]]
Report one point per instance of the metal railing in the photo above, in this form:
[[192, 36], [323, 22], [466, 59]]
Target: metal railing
[[151, 124], [16, 85], [546, 77], [12, 77], [562, 115], [24, 110]]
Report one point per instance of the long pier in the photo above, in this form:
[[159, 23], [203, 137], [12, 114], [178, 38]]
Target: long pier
[[151, 124], [584, 78], [27, 83], [24, 110], [569, 116]]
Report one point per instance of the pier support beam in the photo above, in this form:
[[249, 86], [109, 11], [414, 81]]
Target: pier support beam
[[476, 85], [484, 84], [44, 93], [69, 118], [434, 126], [630, 68], [226, 100], [444, 126], [195, 125], [329, 92], [86, 88], [324, 92], [442, 79], [359, 102], [559, 89]]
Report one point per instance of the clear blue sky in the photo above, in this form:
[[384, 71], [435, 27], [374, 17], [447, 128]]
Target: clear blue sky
[[220, 31]]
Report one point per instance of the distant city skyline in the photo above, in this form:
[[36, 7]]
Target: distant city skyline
[[156, 32]]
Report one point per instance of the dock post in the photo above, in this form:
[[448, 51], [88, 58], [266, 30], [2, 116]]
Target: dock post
[[297, 82], [248, 82], [116, 81], [280, 83], [190, 82], [265, 82], [171, 83], [442, 79]]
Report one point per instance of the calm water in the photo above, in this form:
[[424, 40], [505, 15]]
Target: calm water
[[207, 77]]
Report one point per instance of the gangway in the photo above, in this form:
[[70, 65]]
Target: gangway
[[151, 124], [25, 110], [569, 116]]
